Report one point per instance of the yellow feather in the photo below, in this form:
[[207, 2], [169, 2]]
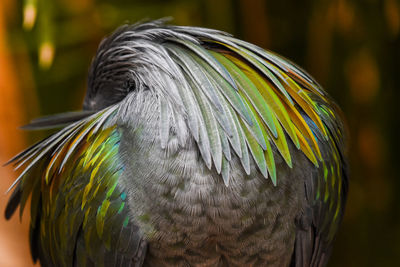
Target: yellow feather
[[270, 97], [96, 143], [281, 143], [305, 103], [304, 129], [305, 147]]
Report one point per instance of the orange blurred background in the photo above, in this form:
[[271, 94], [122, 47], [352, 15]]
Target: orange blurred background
[[351, 47]]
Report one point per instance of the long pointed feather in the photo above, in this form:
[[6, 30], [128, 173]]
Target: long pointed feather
[[268, 153], [195, 70], [76, 142], [227, 90], [305, 105], [284, 64], [204, 140], [261, 66], [256, 151], [244, 159], [188, 101], [200, 79], [230, 116], [304, 130], [225, 172], [255, 129], [211, 126], [281, 144], [225, 144], [252, 93], [48, 144], [204, 54], [271, 98], [27, 154]]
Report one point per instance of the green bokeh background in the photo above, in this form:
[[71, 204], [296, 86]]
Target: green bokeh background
[[351, 47]]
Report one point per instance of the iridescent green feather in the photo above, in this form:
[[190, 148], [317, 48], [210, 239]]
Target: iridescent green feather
[[79, 196], [265, 104]]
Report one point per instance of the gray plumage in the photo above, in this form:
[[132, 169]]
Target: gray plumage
[[226, 155], [187, 212]]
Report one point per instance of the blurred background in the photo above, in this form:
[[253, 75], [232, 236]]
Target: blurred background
[[351, 47]]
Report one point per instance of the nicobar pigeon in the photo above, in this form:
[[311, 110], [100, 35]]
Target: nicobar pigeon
[[193, 148]]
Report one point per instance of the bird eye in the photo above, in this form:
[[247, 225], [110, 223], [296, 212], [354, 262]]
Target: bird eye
[[130, 85]]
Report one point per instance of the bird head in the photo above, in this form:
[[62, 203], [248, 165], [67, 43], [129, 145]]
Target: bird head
[[114, 70]]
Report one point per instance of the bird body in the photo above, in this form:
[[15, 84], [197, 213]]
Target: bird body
[[188, 213], [195, 149]]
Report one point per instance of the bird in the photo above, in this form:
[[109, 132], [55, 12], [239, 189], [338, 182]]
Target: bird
[[193, 148]]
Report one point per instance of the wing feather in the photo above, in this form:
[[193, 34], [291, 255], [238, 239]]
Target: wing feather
[[249, 93], [77, 203]]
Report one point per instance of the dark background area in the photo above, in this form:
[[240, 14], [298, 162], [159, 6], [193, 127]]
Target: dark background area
[[351, 47]]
